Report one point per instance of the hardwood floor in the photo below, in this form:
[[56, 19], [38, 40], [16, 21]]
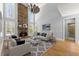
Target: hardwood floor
[[63, 48]]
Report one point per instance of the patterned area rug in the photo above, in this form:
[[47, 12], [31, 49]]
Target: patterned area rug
[[40, 48]]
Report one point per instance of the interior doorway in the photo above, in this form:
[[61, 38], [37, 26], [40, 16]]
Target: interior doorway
[[70, 29]]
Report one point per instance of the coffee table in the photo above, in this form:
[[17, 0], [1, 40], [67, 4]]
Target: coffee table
[[32, 41]]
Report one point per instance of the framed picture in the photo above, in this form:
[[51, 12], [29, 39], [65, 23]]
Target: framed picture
[[46, 27]]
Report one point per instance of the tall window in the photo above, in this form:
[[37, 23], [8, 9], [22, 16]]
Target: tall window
[[10, 19], [1, 34], [9, 28], [9, 10], [31, 23], [1, 15]]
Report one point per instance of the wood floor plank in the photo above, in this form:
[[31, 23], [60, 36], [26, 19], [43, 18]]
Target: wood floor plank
[[63, 48]]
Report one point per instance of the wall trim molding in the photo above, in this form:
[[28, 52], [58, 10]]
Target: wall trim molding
[[59, 39]]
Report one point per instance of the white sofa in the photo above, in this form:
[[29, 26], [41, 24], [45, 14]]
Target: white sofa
[[11, 49], [49, 36], [20, 50]]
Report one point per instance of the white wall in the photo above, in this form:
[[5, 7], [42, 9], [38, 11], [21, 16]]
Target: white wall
[[77, 29], [76, 16], [49, 14], [67, 9], [1, 15]]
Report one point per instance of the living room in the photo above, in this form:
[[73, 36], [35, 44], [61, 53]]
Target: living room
[[32, 29]]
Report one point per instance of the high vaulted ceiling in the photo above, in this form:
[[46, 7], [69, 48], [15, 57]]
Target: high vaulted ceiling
[[65, 9], [38, 4]]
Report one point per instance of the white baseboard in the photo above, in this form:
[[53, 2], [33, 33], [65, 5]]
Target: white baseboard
[[59, 39], [77, 41]]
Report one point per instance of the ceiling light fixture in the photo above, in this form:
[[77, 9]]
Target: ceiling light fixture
[[34, 8]]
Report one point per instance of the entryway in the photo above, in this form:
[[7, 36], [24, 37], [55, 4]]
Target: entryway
[[70, 29]]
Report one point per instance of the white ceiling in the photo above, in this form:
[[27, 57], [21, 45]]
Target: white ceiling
[[65, 9], [38, 4]]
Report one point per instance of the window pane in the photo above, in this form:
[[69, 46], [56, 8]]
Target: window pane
[[31, 23], [9, 10], [9, 28], [1, 33], [30, 16]]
